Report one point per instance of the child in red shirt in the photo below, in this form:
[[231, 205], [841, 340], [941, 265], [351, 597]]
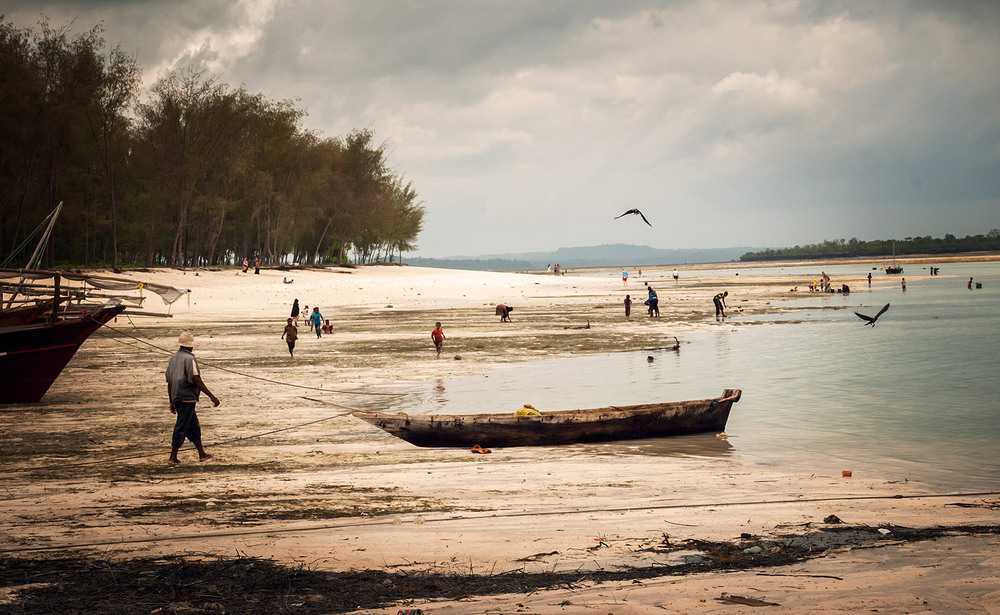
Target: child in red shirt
[[438, 336]]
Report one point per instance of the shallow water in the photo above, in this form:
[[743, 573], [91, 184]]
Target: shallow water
[[916, 397]]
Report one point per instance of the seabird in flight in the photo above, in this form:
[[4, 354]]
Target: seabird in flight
[[870, 320], [636, 212]]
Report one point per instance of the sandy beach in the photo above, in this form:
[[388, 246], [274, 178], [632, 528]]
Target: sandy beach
[[295, 479]]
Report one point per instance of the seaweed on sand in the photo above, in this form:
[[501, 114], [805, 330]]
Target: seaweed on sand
[[253, 585]]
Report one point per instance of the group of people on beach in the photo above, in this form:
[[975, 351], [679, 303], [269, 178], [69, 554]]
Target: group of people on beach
[[314, 321], [256, 265], [625, 276]]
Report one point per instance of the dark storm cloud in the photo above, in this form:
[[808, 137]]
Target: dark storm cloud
[[741, 123]]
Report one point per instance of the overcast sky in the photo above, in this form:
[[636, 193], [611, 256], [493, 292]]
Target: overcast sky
[[528, 126]]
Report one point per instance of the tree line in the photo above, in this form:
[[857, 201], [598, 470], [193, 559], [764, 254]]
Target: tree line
[[882, 247], [193, 173]]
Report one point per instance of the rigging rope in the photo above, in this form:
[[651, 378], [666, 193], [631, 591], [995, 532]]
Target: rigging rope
[[245, 375], [349, 409], [215, 444]]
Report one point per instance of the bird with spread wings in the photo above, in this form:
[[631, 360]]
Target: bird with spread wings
[[634, 212], [870, 320]]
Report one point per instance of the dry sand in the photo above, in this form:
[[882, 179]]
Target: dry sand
[[296, 480]]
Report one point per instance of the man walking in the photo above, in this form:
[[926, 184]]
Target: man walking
[[184, 385]]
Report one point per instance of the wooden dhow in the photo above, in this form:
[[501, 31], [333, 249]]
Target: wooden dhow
[[45, 316]]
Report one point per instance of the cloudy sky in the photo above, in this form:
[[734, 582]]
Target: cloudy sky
[[528, 125]]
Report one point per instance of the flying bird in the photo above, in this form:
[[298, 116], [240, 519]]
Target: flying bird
[[636, 212], [870, 320]]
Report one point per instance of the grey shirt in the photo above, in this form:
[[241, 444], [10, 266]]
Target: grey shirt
[[181, 370]]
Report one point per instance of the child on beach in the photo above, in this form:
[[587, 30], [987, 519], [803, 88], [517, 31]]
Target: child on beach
[[290, 334], [327, 327], [307, 316], [628, 306], [317, 322], [438, 336]]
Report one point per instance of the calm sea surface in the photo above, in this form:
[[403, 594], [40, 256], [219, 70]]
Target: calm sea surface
[[916, 397]]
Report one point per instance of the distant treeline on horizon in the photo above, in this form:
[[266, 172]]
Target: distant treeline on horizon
[[841, 248], [193, 173]]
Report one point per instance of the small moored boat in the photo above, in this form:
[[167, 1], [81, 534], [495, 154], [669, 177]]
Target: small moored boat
[[559, 427]]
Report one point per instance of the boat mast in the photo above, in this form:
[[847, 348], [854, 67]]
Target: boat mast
[[44, 241]]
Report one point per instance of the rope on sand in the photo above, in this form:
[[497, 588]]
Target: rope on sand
[[245, 375], [349, 410], [214, 444]]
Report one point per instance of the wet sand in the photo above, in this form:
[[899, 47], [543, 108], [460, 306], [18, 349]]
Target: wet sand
[[296, 479]]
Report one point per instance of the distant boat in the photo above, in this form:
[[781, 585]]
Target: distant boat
[[33, 355], [560, 427], [894, 268]]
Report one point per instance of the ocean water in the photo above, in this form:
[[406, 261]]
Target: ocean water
[[917, 397]]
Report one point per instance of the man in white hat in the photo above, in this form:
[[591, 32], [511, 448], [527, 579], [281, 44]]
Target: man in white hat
[[184, 385]]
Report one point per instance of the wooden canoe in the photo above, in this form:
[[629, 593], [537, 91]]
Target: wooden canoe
[[560, 427]]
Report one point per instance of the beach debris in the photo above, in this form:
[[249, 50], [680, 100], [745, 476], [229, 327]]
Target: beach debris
[[600, 543], [754, 550], [832, 519], [458, 357], [634, 212], [526, 410], [536, 556], [734, 599], [883, 531], [649, 359], [847, 473], [586, 326], [870, 320], [480, 450], [722, 436], [984, 504]]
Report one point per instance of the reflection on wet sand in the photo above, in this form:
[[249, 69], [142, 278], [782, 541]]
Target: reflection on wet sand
[[696, 445]]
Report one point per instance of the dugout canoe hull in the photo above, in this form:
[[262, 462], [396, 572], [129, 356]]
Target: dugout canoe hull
[[561, 427]]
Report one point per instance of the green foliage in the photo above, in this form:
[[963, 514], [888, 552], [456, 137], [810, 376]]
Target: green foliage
[[198, 173], [881, 247]]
